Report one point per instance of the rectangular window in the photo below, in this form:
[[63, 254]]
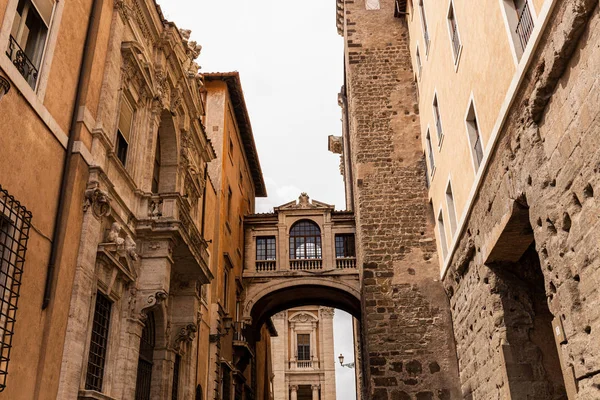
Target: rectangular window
[[454, 38], [98, 344], [303, 347], [474, 137], [438, 120], [229, 202], [451, 209], [226, 286], [28, 37], [424, 26], [15, 222], [230, 145], [265, 248], [175, 387], [344, 246], [124, 131], [156, 167], [430, 154], [419, 65], [442, 232]]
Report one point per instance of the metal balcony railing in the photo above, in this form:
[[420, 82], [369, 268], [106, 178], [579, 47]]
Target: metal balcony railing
[[20, 60], [455, 38], [306, 264], [238, 332], [266, 265], [525, 25], [345, 262]]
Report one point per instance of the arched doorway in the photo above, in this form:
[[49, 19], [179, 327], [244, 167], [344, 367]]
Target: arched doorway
[[145, 360]]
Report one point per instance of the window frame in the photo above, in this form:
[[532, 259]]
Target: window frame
[[304, 346], [442, 234], [295, 243], [456, 51], [437, 119], [431, 156], [348, 242], [98, 386], [424, 27], [510, 16], [473, 127], [451, 206], [267, 246]]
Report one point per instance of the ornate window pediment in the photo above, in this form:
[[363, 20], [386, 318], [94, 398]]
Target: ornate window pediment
[[303, 317]]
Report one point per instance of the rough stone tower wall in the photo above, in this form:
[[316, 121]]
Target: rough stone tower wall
[[407, 340]]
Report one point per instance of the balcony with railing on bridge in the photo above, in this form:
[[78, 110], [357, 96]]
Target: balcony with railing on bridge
[[303, 237]]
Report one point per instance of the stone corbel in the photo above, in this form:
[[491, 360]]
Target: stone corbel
[[124, 9], [184, 335], [142, 302], [97, 200]]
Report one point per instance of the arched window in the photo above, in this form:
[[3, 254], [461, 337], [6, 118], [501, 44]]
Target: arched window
[[144, 375], [305, 240], [156, 168]]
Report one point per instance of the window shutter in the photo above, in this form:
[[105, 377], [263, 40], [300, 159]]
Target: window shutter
[[44, 8], [125, 119]]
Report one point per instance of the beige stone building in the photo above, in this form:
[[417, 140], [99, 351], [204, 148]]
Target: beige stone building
[[303, 354]]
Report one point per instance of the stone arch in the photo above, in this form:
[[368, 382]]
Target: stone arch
[[266, 299], [169, 154]]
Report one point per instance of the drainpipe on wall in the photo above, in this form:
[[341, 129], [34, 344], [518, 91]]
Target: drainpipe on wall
[[82, 86]]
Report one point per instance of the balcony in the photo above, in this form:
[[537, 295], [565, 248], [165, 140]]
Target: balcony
[[345, 262], [20, 60], [168, 216], [266, 265], [306, 264]]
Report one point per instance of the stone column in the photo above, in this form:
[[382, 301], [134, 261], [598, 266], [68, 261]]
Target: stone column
[[294, 390], [293, 341], [315, 392]]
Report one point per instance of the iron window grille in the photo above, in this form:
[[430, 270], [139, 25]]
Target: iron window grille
[[305, 241], [99, 343], [175, 389], [15, 222], [525, 24], [265, 248], [424, 24], [344, 246], [144, 375], [454, 33], [303, 347]]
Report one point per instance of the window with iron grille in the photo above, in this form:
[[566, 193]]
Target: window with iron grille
[[28, 35], [15, 222], [438, 119], [424, 26], [520, 24], [175, 388], [98, 344], [454, 37], [430, 154], [265, 248], [344, 245], [145, 360], [156, 169], [303, 347], [474, 136], [305, 240]]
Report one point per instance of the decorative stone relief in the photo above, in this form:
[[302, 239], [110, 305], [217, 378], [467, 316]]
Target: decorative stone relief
[[97, 200], [124, 10], [131, 248], [155, 208], [114, 235], [185, 335]]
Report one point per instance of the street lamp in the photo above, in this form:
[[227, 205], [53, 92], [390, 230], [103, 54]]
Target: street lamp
[[349, 365], [4, 86]]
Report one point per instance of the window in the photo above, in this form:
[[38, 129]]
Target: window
[[418, 58], [303, 347], [124, 131], [225, 382], [15, 222], [226, 287], [424, 26], [156, 170], [265, 248], [145, 360], [430, 153], [454, 38], [98, 344], [175, 387], [451, 208], [229, 196], [230, 145], [344, 246], [438, 120], [28, 37], [442, 232], [474, 136], [305, 240], [519, 22]]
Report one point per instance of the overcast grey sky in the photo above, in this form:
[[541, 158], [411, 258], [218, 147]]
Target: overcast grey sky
[[290, 60]]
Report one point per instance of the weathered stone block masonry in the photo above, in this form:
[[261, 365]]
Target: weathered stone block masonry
[[514, 315]]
